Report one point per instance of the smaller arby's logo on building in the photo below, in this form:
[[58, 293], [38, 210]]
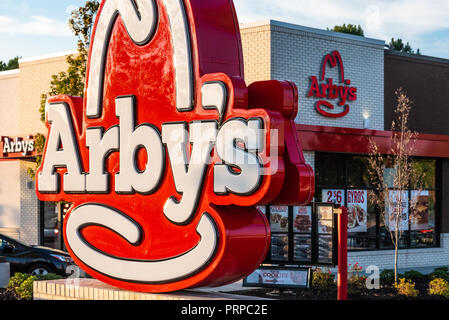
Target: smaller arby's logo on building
[[329, 89], [17, 147]]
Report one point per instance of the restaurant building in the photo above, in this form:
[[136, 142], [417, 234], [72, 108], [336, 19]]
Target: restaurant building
[[22, 215], [346, 86]]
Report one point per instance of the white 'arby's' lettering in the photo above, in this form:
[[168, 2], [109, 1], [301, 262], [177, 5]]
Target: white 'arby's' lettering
[[17, 146], [61, 133], [237, 143], [187, 174]]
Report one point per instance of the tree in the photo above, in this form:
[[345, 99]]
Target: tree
[[392, 175], [399, 45], [70, 82], [350, 28], [11, 65]]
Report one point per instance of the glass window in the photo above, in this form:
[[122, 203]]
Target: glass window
[[331, 170], [357, 172], [302, 247], [425, 173], [6, 247], [279, 247], [52, 223], [344, 179]]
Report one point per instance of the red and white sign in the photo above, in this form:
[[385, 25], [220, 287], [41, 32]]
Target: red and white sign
[[328, 90], [169, 153], [336, 196], [17, 147]]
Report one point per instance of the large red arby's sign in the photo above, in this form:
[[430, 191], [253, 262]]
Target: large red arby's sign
[[330, 90], [169, 153]]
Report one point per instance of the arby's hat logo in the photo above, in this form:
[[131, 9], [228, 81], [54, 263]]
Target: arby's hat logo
[[169, 153], [330, 90]]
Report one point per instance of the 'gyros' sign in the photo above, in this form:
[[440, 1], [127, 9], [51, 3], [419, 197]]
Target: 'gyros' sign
[[168, 155]]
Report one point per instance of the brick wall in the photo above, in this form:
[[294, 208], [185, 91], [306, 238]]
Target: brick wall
[[296, 53], [427, 258], [29, 206], [35, 78], [9, 103], [256, 43]]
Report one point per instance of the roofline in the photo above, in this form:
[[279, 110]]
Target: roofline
[[322, 32], [416, 56], [9, 72], [48, 56]]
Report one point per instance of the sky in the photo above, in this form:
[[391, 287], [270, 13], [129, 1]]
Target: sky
[[31, 28]]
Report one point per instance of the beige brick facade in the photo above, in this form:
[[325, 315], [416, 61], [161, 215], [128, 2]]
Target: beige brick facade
[[256, 43], [20, 92], [35, 77]]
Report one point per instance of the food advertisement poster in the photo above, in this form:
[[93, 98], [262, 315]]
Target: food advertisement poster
[[392, 210], [357, 204], [279, 218], [419, 215], [336, 196], [278, 277], [302, 219]]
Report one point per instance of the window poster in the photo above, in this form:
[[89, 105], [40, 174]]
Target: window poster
[[357, 204], [302, 223], [393, 209], [279, 218], [279, 247], [302, 219], [336, 196], [419, 213]]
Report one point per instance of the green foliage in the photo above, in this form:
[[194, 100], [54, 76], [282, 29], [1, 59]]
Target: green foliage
[[398, 45], [387, 277], [350, 29], [442, 269], [406, 288], [439, 287], [322, 280], [356, 281], [11, 65], [440, 273], [356, 284], [16, 280], [22, 283], [413, 275], [70, 82]]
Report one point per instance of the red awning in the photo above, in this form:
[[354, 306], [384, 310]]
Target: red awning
[[348, 140]]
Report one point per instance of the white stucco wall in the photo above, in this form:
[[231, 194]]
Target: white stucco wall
[[10, 194]]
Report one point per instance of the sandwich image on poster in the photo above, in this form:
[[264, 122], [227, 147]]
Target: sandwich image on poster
[[419, 213], [357, 203], [279, 218]]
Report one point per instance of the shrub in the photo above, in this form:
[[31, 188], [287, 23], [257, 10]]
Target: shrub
[[413, 275], [440, 273], [22, 283], [356, 281], [387, 277], [16, 280], [406, 288], [25, 290], [443, 269], [356, 284], [322, 280], [439, 287]]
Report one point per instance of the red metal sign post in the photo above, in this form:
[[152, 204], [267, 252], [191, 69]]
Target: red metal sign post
[[342, 281]]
